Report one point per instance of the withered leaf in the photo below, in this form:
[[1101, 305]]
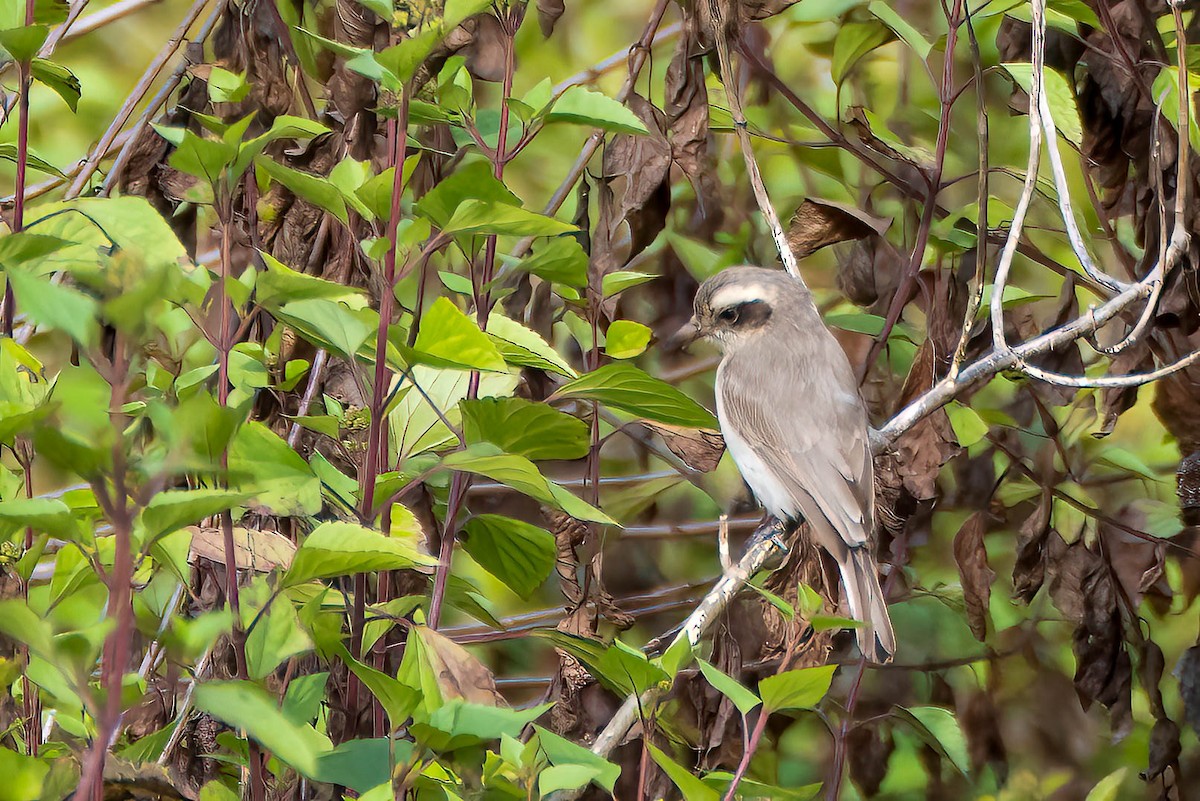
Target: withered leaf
[[1082, 588], [868, 748], [548, 12], [1029, 571], [686, 106], [699, 448], [459, 674], [1187, 488], [1114, 402], [981, 726], [261, 551], [818, 223], [1187, 671], [923, 449], [637, 168], [971, 556], [1165, 748], [869, 271]]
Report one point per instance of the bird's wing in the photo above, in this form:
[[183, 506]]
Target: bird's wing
[[812, 435]]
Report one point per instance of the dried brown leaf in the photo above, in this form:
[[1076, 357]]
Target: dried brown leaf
[[985, 743], [699, 448], [1115, 402], [971, 556], [818, 223], [868, 749], [261, 551], [923, 449], [1187, 671], [686, 106], [459, 674], [1029, 571], [870, 271], [637, 168], [548, 12]]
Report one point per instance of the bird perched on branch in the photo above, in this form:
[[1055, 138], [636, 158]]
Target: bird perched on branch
[[794, 423]]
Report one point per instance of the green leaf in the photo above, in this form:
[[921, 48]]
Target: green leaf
[[1122, 459], [533, 430], [472, 181], [342, 549], [625, 387], [620, 280], [586, 107], [50, 515], [60, 79], [560, 260], [8, 152], [357, 764], [173, 509], [523, 347], [333, 325], [854, 40], [276, 637], [901, 27], [451, 338], [796, 689], [969, 427], [1108, 788], [277, 477], [859, 323], [56, 306], [561, 751], [397, 699], [24, 42], [24, 776], [226, 87], [690, 786], [565, 777], [315, 189], [20, 623], [731, 688], [519, 473], [487, 217], [626, 339], [618, 667], [302, 700], [23, 246], [245, 706], [1059, 96], [940, 731], [280, 284], [519, 554]]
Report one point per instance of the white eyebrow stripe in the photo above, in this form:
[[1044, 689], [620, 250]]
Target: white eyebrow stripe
[[737, 293]]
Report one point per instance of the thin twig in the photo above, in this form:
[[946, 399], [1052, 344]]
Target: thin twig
[[135, 97]]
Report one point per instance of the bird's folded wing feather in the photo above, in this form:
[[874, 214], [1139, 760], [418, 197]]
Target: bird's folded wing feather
[[826, 461]]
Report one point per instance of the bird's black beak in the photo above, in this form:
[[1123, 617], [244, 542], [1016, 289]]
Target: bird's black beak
[[688, 333]]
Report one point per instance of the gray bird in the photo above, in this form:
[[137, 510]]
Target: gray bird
[[794, 423]]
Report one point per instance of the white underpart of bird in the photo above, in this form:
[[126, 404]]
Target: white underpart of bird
[[796, 427]]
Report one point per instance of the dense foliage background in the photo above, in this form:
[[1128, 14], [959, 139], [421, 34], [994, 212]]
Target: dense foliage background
[[343, 453]]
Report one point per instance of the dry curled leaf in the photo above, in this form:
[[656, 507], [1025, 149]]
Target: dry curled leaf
[[261, 551], [699, 448], [1187, 671], [1082, 588], [973, 570], [1029, 571], [637, 167], [981, 725], [818, 223], [459, 674], [923, 449]]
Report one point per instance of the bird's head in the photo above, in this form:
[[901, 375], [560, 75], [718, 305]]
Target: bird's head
[[738, 305]]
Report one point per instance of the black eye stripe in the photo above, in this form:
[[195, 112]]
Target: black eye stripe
[[750, 312]]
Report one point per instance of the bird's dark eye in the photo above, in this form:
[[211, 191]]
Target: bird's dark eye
[[729, 315]]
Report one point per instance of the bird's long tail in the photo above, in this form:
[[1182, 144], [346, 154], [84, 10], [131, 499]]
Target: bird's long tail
[[864, 596]]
